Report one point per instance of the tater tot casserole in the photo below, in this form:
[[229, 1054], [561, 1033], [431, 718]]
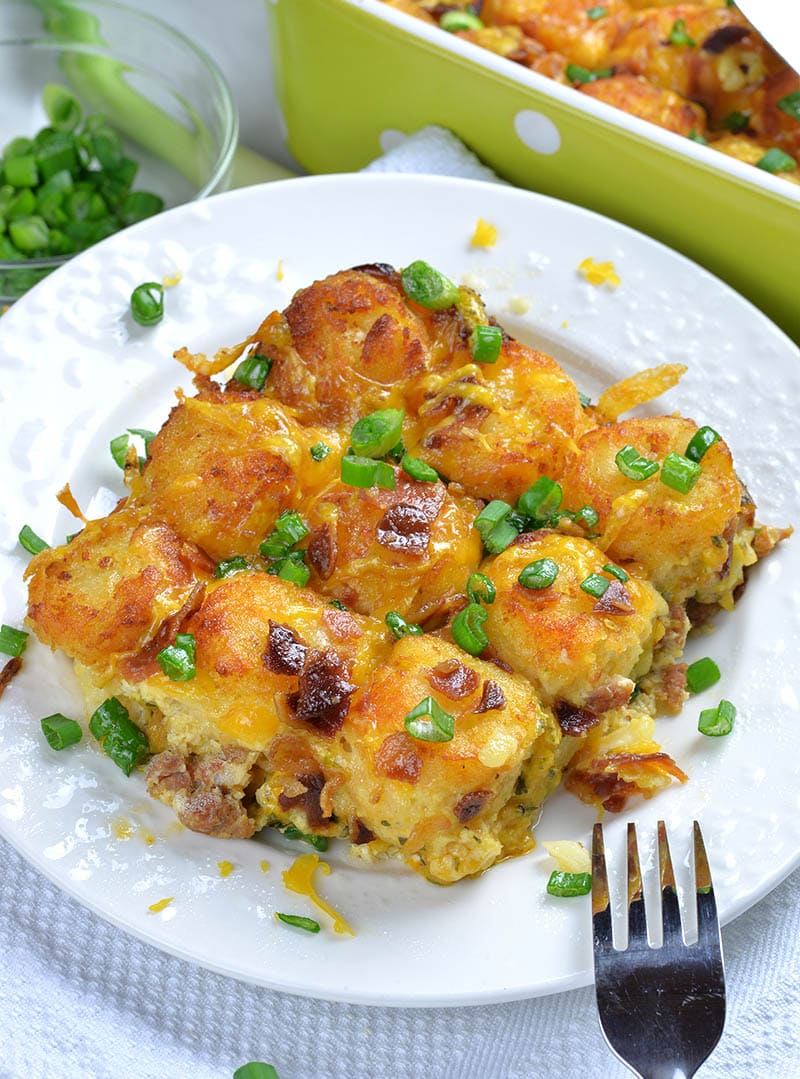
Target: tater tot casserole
[[392, 578]]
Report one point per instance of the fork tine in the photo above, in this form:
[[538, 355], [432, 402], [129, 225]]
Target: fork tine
[[637, 921], [670, 908], [601, 905], [708, 932]]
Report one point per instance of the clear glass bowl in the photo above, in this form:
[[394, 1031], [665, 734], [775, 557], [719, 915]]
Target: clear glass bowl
[[165, 97]]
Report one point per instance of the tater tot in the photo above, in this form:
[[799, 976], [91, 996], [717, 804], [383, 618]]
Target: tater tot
[[641, 98], [563, 26]]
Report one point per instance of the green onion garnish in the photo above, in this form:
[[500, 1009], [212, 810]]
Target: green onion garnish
[[374, 435], [700, 441], [775, 160], [290, 570], [63, 108], [480, 588], [584, 399], [631, 464], [736, 121], [616, 571], [320, 450], [228, 566], [427, 287], [400, 628], [32, 543], [318, 842], [337, 603], [495, 528], [587, 515], [579, 75], [791, 104], [299, 922], [467, 629], [429, 722], [289, 529], [396, 453], [419, 470], [679, 473], [177, 661], [21, 171], [716, 722], [701, 674], [453, 21], [364, 472], [13, 641], [253, 370], [678, 34], [486, 343], [595, 585], [147, 303], [595, 13], [119, 736], [255, 1070], [695, 136], [119, 449], [146, 436], [541, 500], [538, 574], [61, 732], [566, 885]]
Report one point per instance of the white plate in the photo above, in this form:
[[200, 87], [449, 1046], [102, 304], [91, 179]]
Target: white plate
[[77, 371]]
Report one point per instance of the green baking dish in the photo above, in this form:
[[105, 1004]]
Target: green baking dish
[[349, 71]]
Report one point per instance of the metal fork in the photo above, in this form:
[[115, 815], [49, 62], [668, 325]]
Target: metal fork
[[662, 1010]]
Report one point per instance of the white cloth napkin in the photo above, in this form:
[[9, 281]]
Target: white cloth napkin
[[80, 999]]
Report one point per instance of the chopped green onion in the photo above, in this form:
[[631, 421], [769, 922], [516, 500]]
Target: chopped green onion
[[541, 500], [736, 121], [616, 571], [147, 303], [299, 922], [337, 603], [716, 722], [791, 104], [19, 147], [385, 476], [453, 21], [566, 885], [538, 574], [631, 464], [695, 136], [701, 441], [61, 732], [21, 171], [12, 641], [63, 108], [584, 399], [119, 449], [364, 472], [255, 1070], [419, 470], [580, 75], [318, 842], [588, 516], [595, 13], [679, 472], [320, 450], [467, 629], [146, 436], [119, 736], [228, 566], [289, 570], [253, 370], [480, 588], [429, 722], [29, 234], [495, 528], [32, 543], [400, 628], [774, 160], [486, 343], [595, 585], [701, 674], [177, 661], [139, 205], [397, 453], [427, 287], [374, 435], [678, 35], [289, 529]]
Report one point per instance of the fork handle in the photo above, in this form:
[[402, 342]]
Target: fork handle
[[665, 1071]]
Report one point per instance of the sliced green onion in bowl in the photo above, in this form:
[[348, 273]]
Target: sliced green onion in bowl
[[467, 629], [60, 731], [63, 109], [428, 287], [428, 722]]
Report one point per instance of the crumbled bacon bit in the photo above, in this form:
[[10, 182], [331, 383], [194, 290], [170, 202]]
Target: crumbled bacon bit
[[426, 497], [728, 537], [470, 805], [606, 784], [492, 698], [359, 833], [490, 655], [453, 679], [723, 37], [398, 758], [671, 688], [574, 720], [323, 691], [615, 600], [308, 799], [143, 663], [286, 653], [9, 671], [404, 528], [322, 551], [766, 539], [612, 695]]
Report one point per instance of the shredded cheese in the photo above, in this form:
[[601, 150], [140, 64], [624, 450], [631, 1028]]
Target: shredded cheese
[[170, 280], [225, 868], [599, 273], [485, 234], [162, 904], [299, 878]]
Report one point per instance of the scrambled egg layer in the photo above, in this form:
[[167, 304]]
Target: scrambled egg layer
[[296, 714]]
